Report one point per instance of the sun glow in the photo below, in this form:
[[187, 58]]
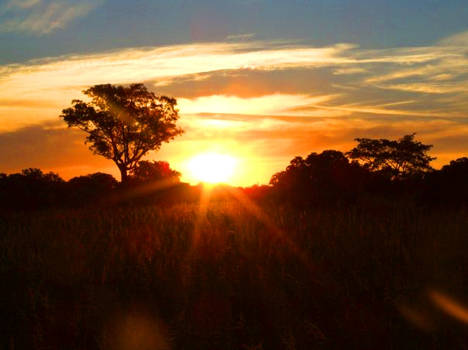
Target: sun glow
[[212, 167]]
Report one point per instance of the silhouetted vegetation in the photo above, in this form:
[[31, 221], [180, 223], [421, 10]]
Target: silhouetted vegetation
[[92, 189], [448, 186], [335, 253], [124, 123], [396, 159], [156, 171], [30, 189], [321, 179]]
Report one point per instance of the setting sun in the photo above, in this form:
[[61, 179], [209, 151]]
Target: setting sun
[[212, 167]]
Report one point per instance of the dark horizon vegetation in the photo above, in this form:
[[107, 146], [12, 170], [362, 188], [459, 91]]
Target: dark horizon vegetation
[[380, 168]]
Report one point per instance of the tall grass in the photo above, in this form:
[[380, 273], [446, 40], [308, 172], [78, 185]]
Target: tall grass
[[155, 277]]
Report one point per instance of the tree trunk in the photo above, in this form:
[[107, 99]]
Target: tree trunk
[[123, 175]]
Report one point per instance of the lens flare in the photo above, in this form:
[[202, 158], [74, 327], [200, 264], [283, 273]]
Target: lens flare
[[451, 306]]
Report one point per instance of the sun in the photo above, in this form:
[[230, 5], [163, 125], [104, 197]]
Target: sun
[[212, 167]]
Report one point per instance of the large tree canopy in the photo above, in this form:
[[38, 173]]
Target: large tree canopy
[[397, 158], [124, 123], [323, 178]]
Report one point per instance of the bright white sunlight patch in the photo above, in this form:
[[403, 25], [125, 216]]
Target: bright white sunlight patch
[[212, 167]]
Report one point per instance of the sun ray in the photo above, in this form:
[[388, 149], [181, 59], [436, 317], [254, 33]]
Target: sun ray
[[200, 217], [260, 214]]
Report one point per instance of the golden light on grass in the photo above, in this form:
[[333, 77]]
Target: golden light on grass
[[212, 168]]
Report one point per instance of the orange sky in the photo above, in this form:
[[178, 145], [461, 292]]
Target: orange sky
[[262, 102]]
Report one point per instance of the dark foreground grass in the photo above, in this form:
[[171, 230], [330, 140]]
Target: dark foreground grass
[[159, 278]]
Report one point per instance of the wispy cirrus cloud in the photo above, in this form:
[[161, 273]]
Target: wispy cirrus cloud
[[22, 4], [240, 37], [356, 75], [61, 79], [272, 105], [266, 99], [40, 17], [438, 69], [164, 64], [457, 40]]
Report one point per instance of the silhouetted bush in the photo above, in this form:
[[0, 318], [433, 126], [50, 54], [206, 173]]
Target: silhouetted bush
[[92, 189]]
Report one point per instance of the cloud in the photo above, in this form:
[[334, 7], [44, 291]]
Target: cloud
[[40, 17], [277, 104], [250, 69], [23, 4], [163, 64], [240, 37], [351, 70], [59, 80], [265, 101], [248, 83], [457, 40], [438, 69]]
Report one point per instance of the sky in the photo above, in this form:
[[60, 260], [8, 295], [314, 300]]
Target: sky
[[262, 81]]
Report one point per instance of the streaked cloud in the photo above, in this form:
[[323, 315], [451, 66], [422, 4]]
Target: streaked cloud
[[40, 17], [277, 104], [439, 69], [240, 37], [457, 40], [22, 4], [165, 63], [351, 70], [436, 69], [266, 101]]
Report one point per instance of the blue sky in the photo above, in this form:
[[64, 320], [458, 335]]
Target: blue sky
[[266, 80], [107, 25]]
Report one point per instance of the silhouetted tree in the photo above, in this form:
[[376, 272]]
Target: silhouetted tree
[[396, 158], [323, 178], [155, 171], [124, 123]]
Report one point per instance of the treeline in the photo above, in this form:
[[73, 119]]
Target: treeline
[[33, 189], [330, 178], [376, 169]]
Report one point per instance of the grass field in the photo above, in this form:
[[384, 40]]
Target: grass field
[[234, 277]]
